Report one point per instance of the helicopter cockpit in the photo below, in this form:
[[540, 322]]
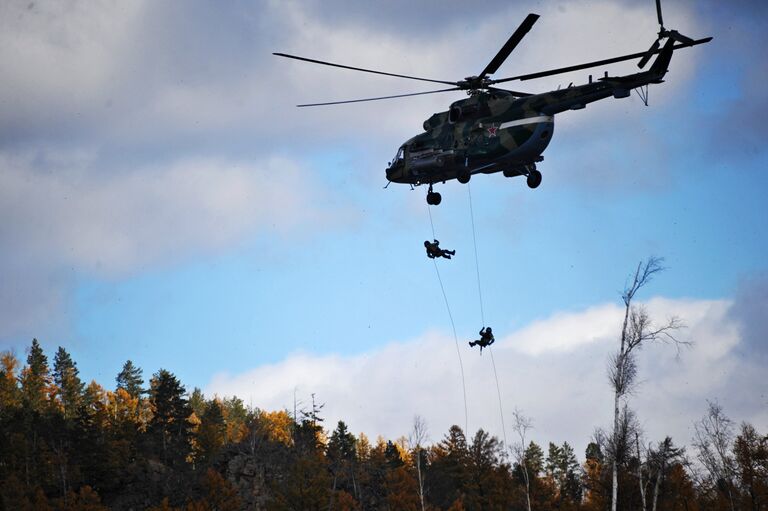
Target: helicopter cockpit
[[399, 157]]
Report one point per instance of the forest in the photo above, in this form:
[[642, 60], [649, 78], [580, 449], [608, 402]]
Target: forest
[[154, 445]]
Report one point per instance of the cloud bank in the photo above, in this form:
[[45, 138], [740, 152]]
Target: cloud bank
[[553, 369]]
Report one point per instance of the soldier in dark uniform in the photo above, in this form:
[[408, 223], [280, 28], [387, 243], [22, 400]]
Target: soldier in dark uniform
[[485, 340], [434, 250]]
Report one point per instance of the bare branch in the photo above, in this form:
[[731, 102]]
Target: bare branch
[[521, 425], [643, 275]]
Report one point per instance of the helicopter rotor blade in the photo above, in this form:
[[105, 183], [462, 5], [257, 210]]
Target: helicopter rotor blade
[[379, 98], [596, 63], [510, 45], [515, 93], [680, 38], [362, 69], [648, 54], [658, 13]]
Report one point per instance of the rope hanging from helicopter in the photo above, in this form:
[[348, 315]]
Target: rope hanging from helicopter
[[453, 326], [482, 311]]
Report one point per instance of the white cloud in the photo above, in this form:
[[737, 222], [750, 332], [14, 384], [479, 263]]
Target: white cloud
[[64, 212], [554, 370]]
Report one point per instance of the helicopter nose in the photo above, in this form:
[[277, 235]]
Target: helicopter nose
[[393, 172]]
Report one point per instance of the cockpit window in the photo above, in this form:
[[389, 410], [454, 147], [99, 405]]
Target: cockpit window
[[400, 154]]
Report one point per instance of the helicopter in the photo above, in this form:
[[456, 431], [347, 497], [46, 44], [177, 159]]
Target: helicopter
[[499, 130]]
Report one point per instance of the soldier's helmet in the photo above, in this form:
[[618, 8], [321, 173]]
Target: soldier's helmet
[[426, 243]]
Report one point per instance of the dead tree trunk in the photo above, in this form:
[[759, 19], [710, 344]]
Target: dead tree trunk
[[521, 425], [636, 330]]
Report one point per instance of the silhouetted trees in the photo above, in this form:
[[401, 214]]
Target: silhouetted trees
[[65, 445]]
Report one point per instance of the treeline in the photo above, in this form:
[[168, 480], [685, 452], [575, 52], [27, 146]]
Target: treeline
[[65, 445]]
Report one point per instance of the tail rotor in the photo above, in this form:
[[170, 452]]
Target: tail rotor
[[663, 34]]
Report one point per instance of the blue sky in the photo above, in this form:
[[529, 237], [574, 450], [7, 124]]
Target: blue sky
[[162, 200]]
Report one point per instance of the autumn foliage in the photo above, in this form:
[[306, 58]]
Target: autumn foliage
[[153, 445]]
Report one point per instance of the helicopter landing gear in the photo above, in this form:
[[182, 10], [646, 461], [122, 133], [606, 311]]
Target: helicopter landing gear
[[534, 179], [433, 198], [463, 176], [533, 176]]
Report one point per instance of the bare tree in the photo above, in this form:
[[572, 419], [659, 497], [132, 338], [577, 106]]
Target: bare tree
[[416, 438], [636, 331], [640, 480], [521, 424], [713, 438]]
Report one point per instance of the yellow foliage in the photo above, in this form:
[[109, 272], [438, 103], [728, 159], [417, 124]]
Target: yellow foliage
[[277, 426], [123, 408], [236, 432], [10, 397], [402, 448]]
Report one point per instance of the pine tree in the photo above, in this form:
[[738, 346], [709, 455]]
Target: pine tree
[[488, 484], [70, 388], [169, 429], [130, 379], [197, 402], [35, 379], [342, 458], [448, 471], [594, 479]]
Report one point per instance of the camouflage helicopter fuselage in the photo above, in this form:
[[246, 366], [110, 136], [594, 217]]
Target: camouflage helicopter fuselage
[[499, 131]]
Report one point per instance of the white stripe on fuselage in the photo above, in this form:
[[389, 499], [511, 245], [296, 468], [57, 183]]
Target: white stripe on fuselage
[[527, 120]]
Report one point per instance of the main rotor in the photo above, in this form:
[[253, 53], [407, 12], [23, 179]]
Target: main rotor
[[483, 82]]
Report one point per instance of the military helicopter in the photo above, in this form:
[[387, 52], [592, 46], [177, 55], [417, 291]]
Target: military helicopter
[[499, 130]]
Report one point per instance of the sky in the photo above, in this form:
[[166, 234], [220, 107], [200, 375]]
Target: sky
[[163, 200]]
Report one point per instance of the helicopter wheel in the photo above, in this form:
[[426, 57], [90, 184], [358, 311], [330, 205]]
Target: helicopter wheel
[[534, 178], [434, 198], [463, 177]]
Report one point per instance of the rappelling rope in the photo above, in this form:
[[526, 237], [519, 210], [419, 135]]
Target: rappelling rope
[[498, 393], [477, 261], [453, 326], [482, 312]]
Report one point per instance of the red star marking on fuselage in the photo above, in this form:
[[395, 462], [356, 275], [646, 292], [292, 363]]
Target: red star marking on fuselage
[[492, 131]]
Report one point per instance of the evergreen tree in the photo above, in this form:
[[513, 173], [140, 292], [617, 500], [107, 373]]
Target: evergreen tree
[[342, 458], [488, 485], [565, 475], [540, 493], [212, 432], [594, 479], [35, 379], [570, 488], [66, 377], [169, 428], [237, 417], [130, 379], [197, 402], [448, 470], [303, 481], [750, 451]]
